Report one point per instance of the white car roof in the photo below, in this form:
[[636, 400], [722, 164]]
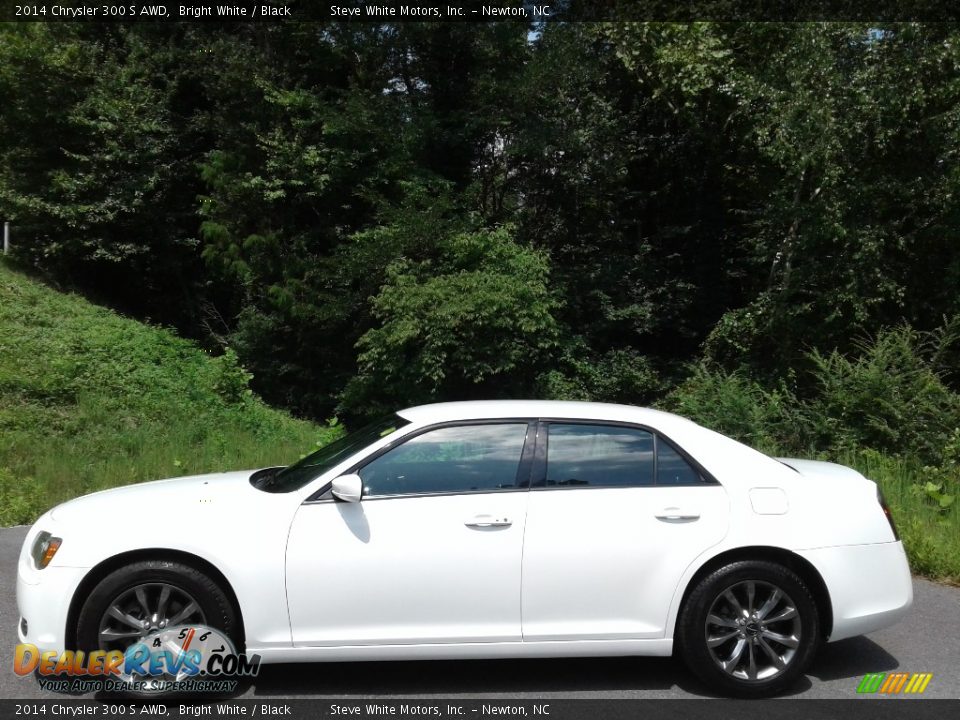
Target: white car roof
[[483, 409]]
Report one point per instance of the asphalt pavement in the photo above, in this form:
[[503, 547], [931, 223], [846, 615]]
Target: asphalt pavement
[[928, 640]]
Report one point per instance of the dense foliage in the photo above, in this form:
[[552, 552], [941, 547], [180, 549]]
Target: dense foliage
[[380, 214], [90, 400], [754, 224]]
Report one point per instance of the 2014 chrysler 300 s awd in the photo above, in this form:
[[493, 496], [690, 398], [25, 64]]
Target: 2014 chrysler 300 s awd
[[486, 530]]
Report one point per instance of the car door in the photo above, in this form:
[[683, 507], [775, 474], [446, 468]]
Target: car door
[[430, 554], [616, 514]]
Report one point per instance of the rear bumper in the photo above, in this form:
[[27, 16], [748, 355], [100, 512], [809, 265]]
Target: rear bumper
[[870, 585]]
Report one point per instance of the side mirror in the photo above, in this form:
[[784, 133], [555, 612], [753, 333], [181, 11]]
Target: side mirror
[[348, 488]]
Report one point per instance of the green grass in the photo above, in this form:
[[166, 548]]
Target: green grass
[[91, 400], [930, 533]]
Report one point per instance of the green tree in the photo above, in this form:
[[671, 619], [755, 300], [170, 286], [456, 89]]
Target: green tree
[[474, 321]]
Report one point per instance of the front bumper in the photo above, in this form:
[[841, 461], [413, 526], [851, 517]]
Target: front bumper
[[43, 599], [870, 585]]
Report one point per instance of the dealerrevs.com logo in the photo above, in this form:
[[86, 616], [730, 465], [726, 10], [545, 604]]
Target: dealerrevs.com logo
[[184, 658], [895, 683]]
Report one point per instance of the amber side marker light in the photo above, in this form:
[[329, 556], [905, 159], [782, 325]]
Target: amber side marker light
[[44, 548]]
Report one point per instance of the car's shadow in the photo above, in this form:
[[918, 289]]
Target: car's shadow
[[575, 676], [851, 658], [471, 677]]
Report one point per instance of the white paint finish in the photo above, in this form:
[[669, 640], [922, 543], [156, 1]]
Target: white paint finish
[[407, 570], [45, 606], [469, 651], [596, 564], [599, 564], [870, 586], [220, 518], [769, 501], [479, 409]]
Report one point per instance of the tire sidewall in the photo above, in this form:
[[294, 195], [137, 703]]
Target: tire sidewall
[[214, 603], [691, 629]]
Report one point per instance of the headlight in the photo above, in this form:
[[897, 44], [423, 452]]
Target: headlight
[[44, 548]]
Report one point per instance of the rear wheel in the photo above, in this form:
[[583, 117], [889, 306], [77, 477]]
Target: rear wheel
[[749, 629]]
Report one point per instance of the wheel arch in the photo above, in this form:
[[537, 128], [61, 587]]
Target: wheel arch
[[798, 564], [115, 562]]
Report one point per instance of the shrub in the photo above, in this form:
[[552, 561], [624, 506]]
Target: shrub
[[889, 397], [735, 405], [231, 381], [471, 322], [620, 376]]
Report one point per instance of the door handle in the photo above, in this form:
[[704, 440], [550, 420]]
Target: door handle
[[678, 515], [484, 521]]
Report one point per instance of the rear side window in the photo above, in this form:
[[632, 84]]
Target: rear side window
[[672, 468], [599, 456]]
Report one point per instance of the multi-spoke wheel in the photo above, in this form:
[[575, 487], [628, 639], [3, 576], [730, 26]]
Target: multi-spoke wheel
[[749, 628], [144, 609], [149, 596]]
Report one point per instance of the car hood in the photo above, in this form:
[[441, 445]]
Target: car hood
[[183, 494]]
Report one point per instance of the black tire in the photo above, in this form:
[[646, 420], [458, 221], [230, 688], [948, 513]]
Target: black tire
[[752, 583], [215, 607]]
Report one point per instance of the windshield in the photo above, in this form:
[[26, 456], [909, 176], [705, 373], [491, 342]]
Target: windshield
[[281, 480]]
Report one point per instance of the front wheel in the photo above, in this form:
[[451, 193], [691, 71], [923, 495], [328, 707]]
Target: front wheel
[[749, 629], [150, 597]]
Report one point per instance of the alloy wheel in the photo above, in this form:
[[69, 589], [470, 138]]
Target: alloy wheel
[[143, 609], [753, 630]]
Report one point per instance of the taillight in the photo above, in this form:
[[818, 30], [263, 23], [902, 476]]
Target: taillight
[[886, 511]]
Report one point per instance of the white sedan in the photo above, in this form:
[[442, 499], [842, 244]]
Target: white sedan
[[487, 529]]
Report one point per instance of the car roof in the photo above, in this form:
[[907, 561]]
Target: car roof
[[484, 409]]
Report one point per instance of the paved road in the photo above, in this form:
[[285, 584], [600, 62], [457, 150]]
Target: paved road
[[927, 641]]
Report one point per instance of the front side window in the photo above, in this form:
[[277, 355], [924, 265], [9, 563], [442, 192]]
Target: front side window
[[463, 458], [599, 456]]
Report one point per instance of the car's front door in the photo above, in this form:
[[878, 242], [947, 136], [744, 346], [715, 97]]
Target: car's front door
[[431, 553], [616, 515]]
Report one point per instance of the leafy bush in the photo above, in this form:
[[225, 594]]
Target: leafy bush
[[231, 381], [735, 405], [621, 376], [473, 321], [885, 411], [889, 397]]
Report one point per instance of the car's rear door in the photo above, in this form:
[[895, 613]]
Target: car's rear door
[[431, 553], [616, 514]]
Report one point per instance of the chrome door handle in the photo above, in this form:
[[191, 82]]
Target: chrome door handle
[[675, 514], [482, 521]]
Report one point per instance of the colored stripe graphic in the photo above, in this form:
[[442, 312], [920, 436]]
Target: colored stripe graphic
[[895, 683], [889, 682], [871, 682]]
